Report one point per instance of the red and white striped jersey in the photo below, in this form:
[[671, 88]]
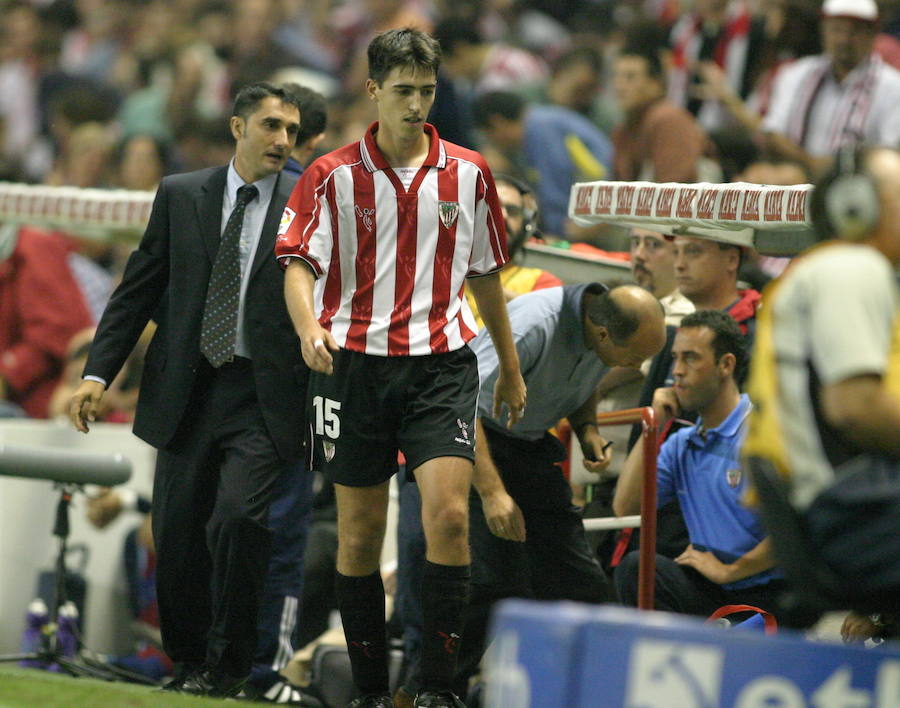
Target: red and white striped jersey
[[391, 263]]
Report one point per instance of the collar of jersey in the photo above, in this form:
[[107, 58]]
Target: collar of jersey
[[374, 160]]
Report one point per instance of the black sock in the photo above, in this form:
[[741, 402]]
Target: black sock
[[361, 603], [445, 594]]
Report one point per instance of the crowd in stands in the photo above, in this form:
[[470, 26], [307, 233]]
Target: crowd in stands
[[120, 93]]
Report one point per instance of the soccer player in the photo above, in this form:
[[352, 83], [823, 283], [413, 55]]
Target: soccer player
[[379, 239]]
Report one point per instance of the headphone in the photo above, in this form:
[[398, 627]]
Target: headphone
[[845, 202], [530, 227]]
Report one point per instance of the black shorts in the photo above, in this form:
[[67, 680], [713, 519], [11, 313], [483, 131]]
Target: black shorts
[[373, 406]]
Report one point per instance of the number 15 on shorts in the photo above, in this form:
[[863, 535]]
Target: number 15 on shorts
[[327, 421]]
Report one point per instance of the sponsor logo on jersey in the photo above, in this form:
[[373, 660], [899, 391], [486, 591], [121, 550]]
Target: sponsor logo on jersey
[[287, 218]]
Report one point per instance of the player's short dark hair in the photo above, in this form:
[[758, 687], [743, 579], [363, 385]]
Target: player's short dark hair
[[250, 96], [727, 336], [604, 311], [313, 111], [505, 104], [405, 48]]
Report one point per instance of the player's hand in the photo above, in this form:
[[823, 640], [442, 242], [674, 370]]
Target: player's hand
[[510, 390], [503, 516], [704, 563], [596, 450], [84, 405], [665, 405], [316, 345]]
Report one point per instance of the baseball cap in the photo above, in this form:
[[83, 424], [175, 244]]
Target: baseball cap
[[865, 10]]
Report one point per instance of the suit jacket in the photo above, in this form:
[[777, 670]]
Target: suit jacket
[[166, 279]]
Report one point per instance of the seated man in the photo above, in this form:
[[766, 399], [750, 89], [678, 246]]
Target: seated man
[[728, 560]]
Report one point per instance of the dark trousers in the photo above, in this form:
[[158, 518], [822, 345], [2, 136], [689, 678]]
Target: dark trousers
[[554, 563], [211, 497], [683, 590], [281, 606]]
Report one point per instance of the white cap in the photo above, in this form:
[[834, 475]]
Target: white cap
[[865, 10]]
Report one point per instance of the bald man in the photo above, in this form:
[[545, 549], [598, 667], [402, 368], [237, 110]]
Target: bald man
[[527, 538]]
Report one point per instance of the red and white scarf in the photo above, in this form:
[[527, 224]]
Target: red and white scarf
[[730, 54], [848, 122]]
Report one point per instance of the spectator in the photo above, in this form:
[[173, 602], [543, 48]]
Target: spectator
[[728, 560], [826, 380], [143, 162], [657, 141], [483, 66], [653, 268], [786, 37], [844, 96], [556, 147], [575, 84], [41, 309], [706, 272], [20, 28], [520, 219], [721, 31]]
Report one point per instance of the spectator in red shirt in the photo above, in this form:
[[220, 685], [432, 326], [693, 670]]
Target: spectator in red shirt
[[41, 308]]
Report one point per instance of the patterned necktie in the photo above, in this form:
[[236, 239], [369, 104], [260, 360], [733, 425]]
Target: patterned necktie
[[219, 330]]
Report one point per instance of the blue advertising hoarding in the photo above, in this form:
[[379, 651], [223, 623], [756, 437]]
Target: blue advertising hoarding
[[549, 655]]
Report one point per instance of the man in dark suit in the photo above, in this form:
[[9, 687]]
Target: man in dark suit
[[222, 392]]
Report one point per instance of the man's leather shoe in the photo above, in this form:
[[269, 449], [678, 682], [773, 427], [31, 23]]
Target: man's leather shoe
[[212, 683], [182, 672]]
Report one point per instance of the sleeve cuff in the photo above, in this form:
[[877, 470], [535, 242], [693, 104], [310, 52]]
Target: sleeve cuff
[[89, 377]]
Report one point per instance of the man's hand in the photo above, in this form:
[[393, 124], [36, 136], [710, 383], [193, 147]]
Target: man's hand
[[857, 628], [510, 389], [595, 449], [665, 405], [85, 404], [503, 516], [706, 564], [316, 345], [104, 508]]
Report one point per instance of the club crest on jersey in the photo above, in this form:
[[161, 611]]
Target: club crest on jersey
[[328, 449], [287, 218], [448, 211], [366, 216], [733, 477]]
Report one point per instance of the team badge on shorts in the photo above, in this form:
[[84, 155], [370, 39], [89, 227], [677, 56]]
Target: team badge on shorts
[[448, 211], [328, 449], [464, 432], [733, 477]]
